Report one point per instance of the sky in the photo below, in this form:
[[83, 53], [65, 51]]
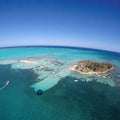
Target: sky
[[81, 23]]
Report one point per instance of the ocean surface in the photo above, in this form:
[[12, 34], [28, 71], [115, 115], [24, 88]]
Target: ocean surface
[[26, 70]]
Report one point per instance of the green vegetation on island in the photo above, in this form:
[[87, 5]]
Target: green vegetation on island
[[89, 67]]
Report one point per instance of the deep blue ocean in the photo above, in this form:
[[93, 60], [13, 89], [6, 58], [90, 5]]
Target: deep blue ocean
[[66, 99]]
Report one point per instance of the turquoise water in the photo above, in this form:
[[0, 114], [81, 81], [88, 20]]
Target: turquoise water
[[62, 98]]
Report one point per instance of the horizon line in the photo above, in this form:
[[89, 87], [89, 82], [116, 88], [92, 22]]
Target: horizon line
[[62, 46]]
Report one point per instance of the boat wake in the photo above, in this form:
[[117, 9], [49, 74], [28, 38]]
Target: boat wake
[[4, 86]]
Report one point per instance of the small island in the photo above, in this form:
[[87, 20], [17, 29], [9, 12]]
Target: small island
[[89, 67]]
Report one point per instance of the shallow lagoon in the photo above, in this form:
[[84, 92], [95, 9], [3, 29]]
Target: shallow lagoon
[[65, 99]]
